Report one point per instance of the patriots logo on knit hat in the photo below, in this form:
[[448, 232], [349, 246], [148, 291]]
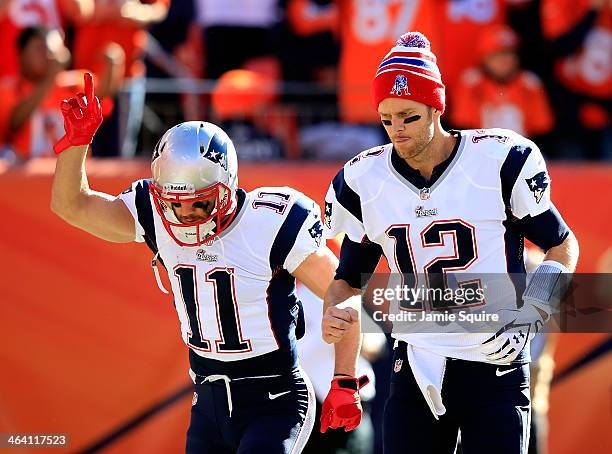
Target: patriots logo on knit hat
[[400, 83], [410, 63]]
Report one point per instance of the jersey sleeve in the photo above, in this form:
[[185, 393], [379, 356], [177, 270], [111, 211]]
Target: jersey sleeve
[[342, 213], [131, 197], [545, 230], [526, 191], [299, 236], [358, 261], [525, 181]]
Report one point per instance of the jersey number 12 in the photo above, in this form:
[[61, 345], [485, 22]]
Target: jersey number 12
[[465, 253]]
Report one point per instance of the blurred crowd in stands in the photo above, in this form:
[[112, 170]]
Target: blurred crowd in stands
[[291, 78]]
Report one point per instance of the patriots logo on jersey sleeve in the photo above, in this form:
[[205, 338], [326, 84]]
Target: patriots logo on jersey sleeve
[[316, 232], [538, 184], [327, 215]]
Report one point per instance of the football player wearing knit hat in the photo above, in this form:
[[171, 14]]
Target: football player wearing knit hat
[[445, 207]]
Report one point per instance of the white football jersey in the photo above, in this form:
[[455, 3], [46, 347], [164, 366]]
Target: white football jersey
[[235, 296], [458, 225]]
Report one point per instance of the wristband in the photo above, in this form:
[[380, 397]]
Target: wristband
[[548, 284]]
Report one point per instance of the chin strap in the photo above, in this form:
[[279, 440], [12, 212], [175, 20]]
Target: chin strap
[[157, 276], [205, 230]]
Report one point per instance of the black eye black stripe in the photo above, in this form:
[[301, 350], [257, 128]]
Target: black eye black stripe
[[201, 205], [411, 119]]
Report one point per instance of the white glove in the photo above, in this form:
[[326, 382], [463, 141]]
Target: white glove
[[541, 298], [507, 343]]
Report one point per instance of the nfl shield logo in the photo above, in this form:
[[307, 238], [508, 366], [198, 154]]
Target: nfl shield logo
[[398, 365], [425, 193]]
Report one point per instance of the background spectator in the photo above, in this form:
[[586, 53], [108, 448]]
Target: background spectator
[[367, 30], [498, 93], [236, 31], [569, 44], [16, 15], [243, 101], [173, 53], [310, 60], [120, 23], [310, 54], [117, 21], [30, 117], [316, 49], [462, 22]]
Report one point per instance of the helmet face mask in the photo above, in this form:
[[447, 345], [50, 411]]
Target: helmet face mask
[[196, 232], [194, 162]]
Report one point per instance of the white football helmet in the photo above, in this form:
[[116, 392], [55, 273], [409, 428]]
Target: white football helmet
[[192, 162]]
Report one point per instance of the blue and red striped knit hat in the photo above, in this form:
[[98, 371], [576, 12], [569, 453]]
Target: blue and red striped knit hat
[[409, 71]]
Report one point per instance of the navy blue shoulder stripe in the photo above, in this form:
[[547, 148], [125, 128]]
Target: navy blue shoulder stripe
[[145, 213], [358, 261], [511, 168], [348, 198], [287, 234]]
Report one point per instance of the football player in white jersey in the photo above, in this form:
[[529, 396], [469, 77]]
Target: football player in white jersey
[[232, 258], [439, 205]]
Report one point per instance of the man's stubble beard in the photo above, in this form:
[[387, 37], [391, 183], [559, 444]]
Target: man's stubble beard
[[414, 152], [418, 146]]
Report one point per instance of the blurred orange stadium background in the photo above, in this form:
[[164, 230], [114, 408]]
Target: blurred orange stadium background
[[89, 344]]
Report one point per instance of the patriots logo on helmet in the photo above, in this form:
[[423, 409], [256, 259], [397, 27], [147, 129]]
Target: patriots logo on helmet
[[538, 184], [400, 83], [316, 232], [327, 215], [216, 152]]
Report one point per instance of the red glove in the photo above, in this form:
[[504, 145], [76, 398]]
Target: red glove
[[82, 117], [342, 406]]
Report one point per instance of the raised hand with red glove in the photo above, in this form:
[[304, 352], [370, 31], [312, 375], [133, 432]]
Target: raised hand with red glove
[[82, 117], [342, 406]]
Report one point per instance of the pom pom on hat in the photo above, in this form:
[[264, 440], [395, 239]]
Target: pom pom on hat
[[413, 39]]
